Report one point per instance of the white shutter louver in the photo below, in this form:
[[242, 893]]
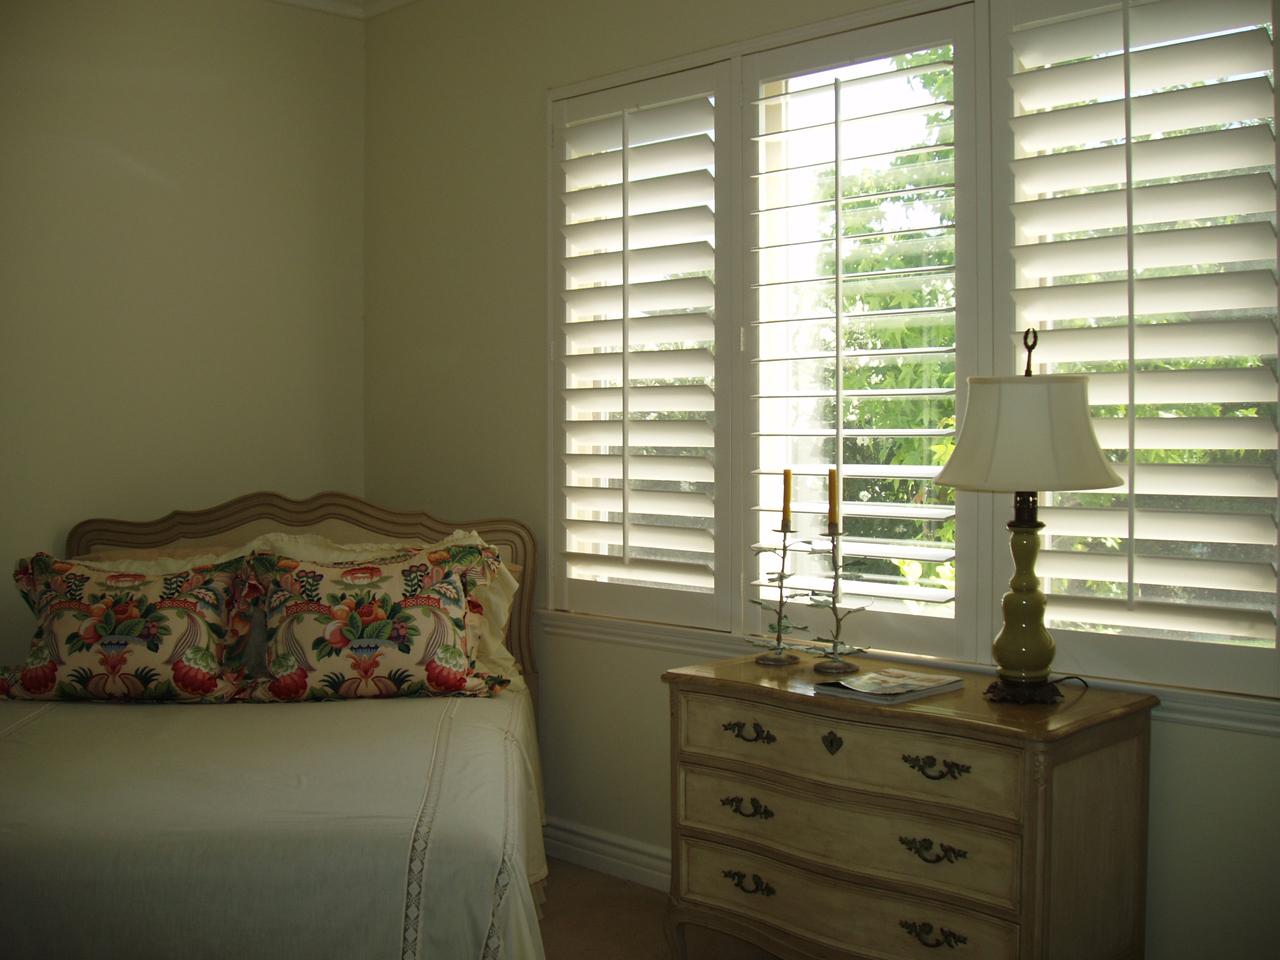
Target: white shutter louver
[[639, 297], [855, 250], [1145, 255]]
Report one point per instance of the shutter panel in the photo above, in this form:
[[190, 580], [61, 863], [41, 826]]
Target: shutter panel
[[638, 360], [1145, 255], [855, 259]]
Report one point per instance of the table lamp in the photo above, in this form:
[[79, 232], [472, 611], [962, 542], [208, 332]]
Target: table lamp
[[1021, 435]]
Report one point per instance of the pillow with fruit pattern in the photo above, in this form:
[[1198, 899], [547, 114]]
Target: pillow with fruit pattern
[[113, 634], [384, 627]]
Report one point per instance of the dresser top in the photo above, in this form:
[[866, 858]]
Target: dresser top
[[1078, 709]]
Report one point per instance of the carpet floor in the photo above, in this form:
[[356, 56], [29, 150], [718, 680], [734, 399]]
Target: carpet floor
[[589, 914], [593, 916]]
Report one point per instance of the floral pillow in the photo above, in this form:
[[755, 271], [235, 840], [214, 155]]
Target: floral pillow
[[113, 634], [490, 589], [382, 627]]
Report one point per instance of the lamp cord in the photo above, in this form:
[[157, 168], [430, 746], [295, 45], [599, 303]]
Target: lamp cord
[[1084, 684], [1083, 681]]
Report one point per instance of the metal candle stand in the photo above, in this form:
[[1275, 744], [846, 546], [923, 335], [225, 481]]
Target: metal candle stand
[[832, 661], [777, 656]]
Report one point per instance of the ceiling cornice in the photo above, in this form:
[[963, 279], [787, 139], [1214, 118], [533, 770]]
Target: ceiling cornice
[[352, 9]]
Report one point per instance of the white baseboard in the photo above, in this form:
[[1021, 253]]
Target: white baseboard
[[609, 853]]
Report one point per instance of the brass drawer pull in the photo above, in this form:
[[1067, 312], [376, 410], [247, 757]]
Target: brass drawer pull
[[923, 848], [921, 931], [950, 769], [757, 883], [758, 809], [761, 734]]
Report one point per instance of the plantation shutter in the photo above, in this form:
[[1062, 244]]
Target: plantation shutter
[[638, 356], [1145, 256], [855, 253]]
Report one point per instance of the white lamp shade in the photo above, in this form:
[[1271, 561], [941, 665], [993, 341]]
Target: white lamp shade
[[1028, 434]]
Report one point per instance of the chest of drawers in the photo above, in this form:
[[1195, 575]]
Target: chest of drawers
[[818, 827]]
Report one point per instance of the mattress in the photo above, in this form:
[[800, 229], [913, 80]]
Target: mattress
[[373, 829]]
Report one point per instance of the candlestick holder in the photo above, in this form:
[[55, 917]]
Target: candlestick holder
[[777, 656], [832, 661]]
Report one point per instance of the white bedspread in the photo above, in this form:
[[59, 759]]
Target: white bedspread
[[398, 829]]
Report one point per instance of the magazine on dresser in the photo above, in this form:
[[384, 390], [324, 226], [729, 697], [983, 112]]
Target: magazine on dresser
[[890, 685]]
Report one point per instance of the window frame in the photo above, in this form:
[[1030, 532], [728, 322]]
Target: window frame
[[704, 610]]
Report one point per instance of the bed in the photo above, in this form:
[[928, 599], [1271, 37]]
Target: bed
[[406, 827]]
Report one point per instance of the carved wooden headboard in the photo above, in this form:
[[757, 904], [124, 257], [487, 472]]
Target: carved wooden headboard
[[339, 517]]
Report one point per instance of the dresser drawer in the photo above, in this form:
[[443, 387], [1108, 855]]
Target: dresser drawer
[[834, 912], [918, 765], [934, 853]]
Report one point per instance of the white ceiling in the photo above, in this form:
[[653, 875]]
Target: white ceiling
[[355, 9]]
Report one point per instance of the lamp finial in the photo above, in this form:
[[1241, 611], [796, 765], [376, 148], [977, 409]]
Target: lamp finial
[[1029, 340]]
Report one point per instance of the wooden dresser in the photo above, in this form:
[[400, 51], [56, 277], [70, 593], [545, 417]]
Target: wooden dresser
[[815, 826]]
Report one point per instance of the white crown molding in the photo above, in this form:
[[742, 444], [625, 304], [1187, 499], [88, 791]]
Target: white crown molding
[[1202, 708], [352, 9]]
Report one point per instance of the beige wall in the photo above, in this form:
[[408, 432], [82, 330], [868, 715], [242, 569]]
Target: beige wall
[[181, 207], [1213, 836], [456, 248]]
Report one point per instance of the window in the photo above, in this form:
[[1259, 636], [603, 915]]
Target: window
[[638, 470], [854, 235], [1144, 250], [793, 257]]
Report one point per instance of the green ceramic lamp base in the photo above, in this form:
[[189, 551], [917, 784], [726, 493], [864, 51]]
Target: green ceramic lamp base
[[1023, 650]]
